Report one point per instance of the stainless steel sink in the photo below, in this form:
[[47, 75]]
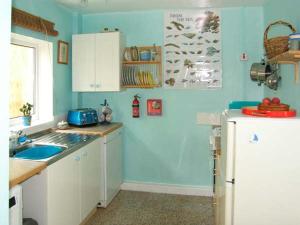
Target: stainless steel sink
[[45, 147], [62, 139]]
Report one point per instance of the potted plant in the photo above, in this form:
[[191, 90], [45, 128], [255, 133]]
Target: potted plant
[[26, 110]]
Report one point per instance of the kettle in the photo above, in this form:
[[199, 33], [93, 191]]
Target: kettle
[[106, 115]]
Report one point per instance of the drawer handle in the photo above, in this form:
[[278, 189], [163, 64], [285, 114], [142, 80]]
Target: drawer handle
[[77, 158], [214, 201]]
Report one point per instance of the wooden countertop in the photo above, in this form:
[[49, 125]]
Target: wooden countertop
[[21, 170], [100, 130]]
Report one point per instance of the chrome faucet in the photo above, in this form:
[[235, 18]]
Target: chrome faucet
[[17, 139]]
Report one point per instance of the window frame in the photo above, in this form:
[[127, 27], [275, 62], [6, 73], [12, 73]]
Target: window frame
[[43, 80], [35, 115]]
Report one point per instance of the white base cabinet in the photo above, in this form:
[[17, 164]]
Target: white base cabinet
[[63, 198], [97, 62], [111, 166], [68, 190], [74, 186], [89, 178]]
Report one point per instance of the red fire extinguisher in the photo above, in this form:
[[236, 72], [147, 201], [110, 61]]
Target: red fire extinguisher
[[136, 107]]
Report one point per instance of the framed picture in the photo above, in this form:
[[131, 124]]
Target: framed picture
[[62, 52], [154, 107]]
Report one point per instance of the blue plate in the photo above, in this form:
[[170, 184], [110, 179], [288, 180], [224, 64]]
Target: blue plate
[[39, 152]]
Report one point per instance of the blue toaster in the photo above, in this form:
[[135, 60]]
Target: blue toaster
[[82, 117]]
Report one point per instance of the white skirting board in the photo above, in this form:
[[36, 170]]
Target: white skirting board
[[168, 188]]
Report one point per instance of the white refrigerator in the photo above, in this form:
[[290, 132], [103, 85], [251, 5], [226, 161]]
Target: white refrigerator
[[258, 171]]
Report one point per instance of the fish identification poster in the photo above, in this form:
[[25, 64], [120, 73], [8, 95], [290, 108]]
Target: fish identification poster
[[192, 49]]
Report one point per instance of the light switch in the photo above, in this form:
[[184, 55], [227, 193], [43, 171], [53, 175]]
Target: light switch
[[244, 57]]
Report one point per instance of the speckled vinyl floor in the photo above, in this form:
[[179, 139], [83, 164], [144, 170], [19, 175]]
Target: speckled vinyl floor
[[141, 208]]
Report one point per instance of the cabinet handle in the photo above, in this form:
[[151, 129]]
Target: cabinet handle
[[91, 85], [214, 201], [77, 158], [97, 85]]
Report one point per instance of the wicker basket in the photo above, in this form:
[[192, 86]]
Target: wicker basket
[[278, 45]]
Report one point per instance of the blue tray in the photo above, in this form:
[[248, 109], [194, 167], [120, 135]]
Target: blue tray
[[241, 104]]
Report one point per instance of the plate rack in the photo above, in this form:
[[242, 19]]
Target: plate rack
[[142, 74]]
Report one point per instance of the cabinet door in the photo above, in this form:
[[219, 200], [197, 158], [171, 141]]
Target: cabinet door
[[114, 164], [90, 177], [63, 191], [218, 191], [83, 62], [108, 61]]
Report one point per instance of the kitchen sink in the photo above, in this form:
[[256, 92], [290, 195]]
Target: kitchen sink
[[38, 152], [50, 146]]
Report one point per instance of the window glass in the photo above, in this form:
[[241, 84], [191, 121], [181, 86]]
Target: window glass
[[22, 78], [31, 80]]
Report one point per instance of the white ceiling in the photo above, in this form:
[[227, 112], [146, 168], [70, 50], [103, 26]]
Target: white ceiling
[[94, 6]]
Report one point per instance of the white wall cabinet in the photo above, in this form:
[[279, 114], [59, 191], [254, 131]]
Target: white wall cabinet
[[96, 62], [74, 186], [83, 62]]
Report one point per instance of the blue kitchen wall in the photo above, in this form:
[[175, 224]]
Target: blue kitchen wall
[[63, 19], [289, 11], [173, 149]]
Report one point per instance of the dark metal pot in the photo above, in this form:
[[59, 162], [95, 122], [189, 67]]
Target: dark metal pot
[[260, 72]]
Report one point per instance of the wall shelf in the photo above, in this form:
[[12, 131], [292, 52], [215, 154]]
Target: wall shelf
[[141, 86], [289, 57], [142, 74], [35, 23], [140, 62]]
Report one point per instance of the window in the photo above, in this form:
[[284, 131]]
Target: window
[[22, 78], [31, 78]]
